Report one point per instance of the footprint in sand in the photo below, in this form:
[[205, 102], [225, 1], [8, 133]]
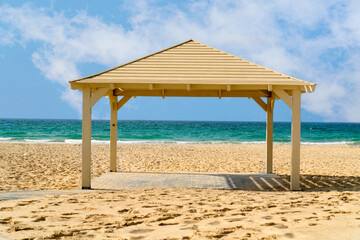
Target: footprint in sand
[[93, 217], [40, 219], [7, 209], [149, 206], [167, 217], [72, 200], [237, 214], [189, 221], [169, 223], [214, 223], [224, 231], [289, 235], [247, 235], [24, 203], [235, 219], [268, 224], [19, 227], [281, 226], [5, 220], [194, 227], [125, 210], [140, 231], [69, 214], [222, 210]]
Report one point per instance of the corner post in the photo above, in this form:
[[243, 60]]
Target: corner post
[[86, 140], [295, 140], [113, 132], [269, 134]]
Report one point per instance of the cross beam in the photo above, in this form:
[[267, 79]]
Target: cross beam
[[190, 93]]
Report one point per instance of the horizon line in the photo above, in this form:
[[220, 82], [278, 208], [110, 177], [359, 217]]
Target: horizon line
[[79, 119]]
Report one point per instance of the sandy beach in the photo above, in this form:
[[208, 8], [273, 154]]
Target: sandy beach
[[327, 209]]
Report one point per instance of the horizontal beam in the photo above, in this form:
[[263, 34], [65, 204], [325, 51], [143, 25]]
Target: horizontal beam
[[185, 93], [196, 85]]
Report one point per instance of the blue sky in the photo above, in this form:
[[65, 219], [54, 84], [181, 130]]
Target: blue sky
[[44, 44]]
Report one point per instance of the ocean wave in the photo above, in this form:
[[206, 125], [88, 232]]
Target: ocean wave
[[163, 142], [37, 140]]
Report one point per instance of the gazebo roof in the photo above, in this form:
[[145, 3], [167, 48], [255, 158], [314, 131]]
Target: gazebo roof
[[190, 65]]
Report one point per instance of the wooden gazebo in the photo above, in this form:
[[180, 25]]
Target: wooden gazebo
[[192, 69]]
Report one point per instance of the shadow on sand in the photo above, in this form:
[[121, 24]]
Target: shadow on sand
[[282, 182], [249, 182]]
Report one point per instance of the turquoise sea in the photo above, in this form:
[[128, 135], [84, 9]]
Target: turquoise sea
[[175, 132]]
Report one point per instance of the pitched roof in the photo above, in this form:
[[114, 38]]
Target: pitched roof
[[192, 62]]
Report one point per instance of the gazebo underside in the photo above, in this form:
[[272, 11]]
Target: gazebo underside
[[91, 94], [192, 69]]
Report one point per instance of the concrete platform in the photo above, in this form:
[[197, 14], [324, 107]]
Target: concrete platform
[[141, 180]]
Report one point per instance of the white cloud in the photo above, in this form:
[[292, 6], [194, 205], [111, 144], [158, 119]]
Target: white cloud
[[296, 38], [65, 43]]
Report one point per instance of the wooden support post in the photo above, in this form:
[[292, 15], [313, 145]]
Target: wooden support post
[[113, 132], [269, 134], [86, 140], [295, 140]]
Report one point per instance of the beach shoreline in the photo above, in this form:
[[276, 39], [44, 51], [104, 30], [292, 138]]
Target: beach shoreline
[[165, 142]]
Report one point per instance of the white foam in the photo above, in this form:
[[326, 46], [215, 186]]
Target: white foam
[[258, 142], [99, 141], [5, 139], [184, 142], [37, 140], [328, 143], [73, 141]]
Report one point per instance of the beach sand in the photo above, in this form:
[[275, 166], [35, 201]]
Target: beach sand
[[328, 209]]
